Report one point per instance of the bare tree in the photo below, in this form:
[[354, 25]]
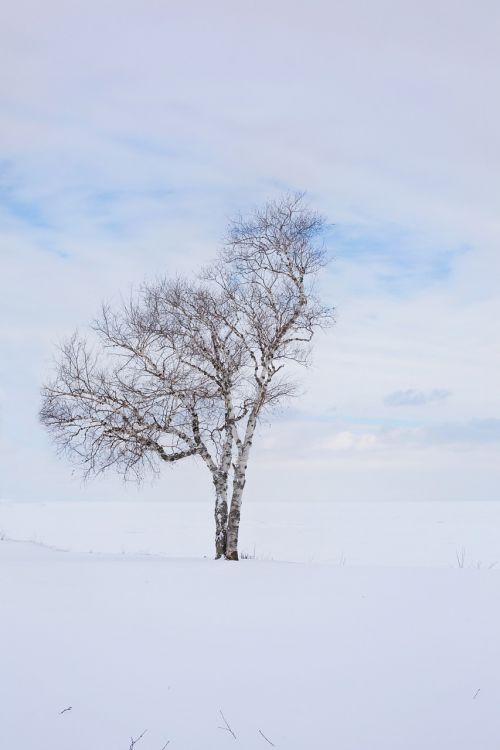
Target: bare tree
[[187, 369]]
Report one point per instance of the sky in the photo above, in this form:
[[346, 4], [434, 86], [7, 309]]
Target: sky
[[131, 132]]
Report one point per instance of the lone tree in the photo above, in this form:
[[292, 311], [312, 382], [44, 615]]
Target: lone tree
[[188, 368]]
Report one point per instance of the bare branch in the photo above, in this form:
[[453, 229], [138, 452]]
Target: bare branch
[[133, 742], [266, 738], [227, 727]]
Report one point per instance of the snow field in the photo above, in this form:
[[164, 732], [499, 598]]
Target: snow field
[[313, 655]]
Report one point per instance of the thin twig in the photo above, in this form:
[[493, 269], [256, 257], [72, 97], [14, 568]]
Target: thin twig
[[134, 742], [266, 738], [476, 694], [165, 745], [227, 728], [66, 709]]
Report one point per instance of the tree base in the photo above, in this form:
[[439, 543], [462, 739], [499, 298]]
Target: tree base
[[232, 555]]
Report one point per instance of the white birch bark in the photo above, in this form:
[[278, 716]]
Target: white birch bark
[[220, 515], [240, 467], [220, 479], [239, 480]]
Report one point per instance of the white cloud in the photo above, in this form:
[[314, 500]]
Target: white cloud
[[343, 441]]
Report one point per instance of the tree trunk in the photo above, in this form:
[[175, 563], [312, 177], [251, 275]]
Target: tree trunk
[[220, 484], [239, 479], [233, 528], [233, 525]]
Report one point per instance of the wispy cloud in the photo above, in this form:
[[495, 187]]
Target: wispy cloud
[[15, 206], [472, 432], [402, 260], [412, 397]]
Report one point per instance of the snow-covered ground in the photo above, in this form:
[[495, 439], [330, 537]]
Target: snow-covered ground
[[414, 534], [373, 639]]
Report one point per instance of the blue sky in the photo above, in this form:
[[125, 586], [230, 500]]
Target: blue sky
[[131, 133]]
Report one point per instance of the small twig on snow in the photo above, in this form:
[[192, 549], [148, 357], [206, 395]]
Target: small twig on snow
[[476, 694], [65, 709], [133, 742], [165, 745], [266, 738], [227, 728], [460, 555]]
